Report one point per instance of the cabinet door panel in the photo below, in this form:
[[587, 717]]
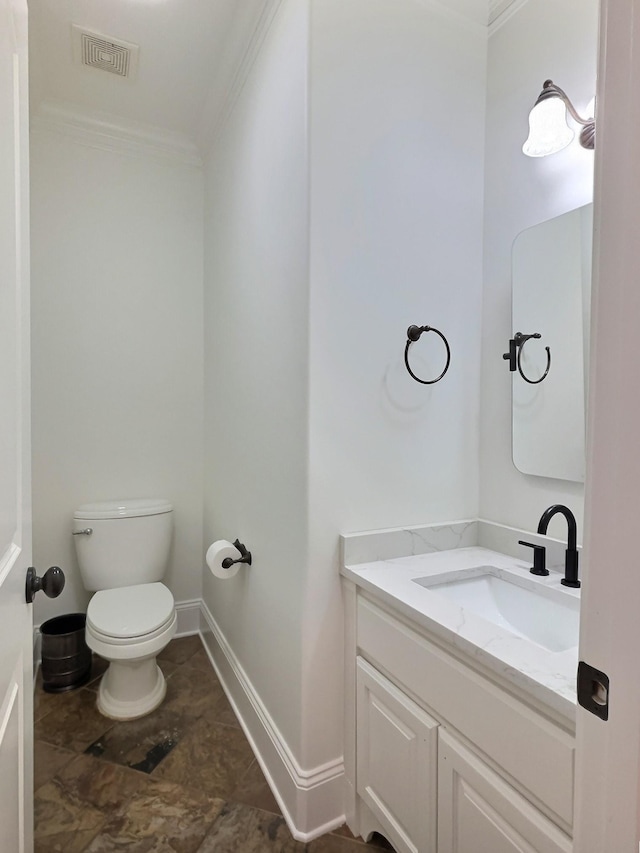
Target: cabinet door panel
[[397, 761], [478, 812]]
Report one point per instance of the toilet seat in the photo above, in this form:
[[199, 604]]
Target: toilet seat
[[126, 614], [130, 642], [131, 623]]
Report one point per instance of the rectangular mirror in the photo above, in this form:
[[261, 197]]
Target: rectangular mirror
[[551, 299]]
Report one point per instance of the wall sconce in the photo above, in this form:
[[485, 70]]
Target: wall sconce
[[549, 131]]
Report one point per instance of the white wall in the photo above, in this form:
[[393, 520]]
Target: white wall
[[397, 108], [542, 39], [117, 348], [396, 238], [256, 366]]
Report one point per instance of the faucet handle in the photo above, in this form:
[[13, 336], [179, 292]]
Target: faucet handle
[[539, 558]]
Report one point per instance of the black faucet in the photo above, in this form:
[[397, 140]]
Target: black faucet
[[571, 554], [539, 558]]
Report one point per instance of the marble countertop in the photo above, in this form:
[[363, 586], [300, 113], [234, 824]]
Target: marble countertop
[[549, 677]]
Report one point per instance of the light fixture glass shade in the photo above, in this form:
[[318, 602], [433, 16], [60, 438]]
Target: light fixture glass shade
[[548, 128]]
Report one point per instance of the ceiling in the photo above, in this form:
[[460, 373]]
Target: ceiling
[[189, 52]]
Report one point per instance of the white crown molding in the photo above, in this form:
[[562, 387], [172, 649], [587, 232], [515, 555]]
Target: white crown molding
[[497, 7], [311, 799], [500, 11], [113, 133], [470, 14], [220, 104]]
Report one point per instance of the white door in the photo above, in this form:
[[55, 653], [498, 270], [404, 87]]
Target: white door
[[607, 814], [16, 644]]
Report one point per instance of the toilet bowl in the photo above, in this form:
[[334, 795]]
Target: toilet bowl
[[129, 627], [122, 549]]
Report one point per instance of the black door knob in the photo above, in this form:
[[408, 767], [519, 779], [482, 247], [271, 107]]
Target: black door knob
[[51, 583]]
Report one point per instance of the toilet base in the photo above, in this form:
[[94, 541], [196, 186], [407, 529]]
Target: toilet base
[[131, 688]]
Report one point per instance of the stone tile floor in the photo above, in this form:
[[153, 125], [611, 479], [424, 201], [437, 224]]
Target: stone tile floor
[[180, 780]]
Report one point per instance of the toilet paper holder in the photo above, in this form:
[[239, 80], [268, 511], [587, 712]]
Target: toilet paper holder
[[245, 558]]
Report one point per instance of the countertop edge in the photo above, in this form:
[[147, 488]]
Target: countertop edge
[[561, 701]]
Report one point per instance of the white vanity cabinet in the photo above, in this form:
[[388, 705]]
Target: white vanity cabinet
[[440, 756]]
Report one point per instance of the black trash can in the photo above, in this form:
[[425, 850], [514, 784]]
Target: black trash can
[[66, 658]]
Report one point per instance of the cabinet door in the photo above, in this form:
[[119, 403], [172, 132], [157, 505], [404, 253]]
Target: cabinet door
[[478, 812], [397, 748]]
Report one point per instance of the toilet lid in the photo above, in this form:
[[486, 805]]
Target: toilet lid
[[123, 508], [130, 611]]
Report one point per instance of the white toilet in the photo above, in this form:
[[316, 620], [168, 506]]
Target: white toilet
[[123, 548]]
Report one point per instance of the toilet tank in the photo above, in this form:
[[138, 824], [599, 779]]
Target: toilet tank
[[129, 542]]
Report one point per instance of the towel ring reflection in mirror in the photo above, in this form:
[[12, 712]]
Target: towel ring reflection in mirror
[[514, 356], [413, 334]]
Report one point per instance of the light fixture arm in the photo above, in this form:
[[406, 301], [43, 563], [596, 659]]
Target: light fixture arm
[[588, 132]]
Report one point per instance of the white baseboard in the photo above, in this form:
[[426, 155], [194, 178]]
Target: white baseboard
[[188, 613], [311, 800]]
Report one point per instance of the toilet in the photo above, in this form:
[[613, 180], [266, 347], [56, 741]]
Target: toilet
[[123, 548]]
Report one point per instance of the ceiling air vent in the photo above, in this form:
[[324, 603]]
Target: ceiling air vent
[[106, 53]]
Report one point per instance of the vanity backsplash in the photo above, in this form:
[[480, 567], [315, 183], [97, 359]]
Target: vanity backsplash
[[387, 544]]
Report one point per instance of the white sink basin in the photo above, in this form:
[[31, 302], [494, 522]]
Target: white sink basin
[[546, 616]]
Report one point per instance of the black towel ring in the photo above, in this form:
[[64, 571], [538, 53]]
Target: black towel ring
[[413, 334], [521, 340]]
